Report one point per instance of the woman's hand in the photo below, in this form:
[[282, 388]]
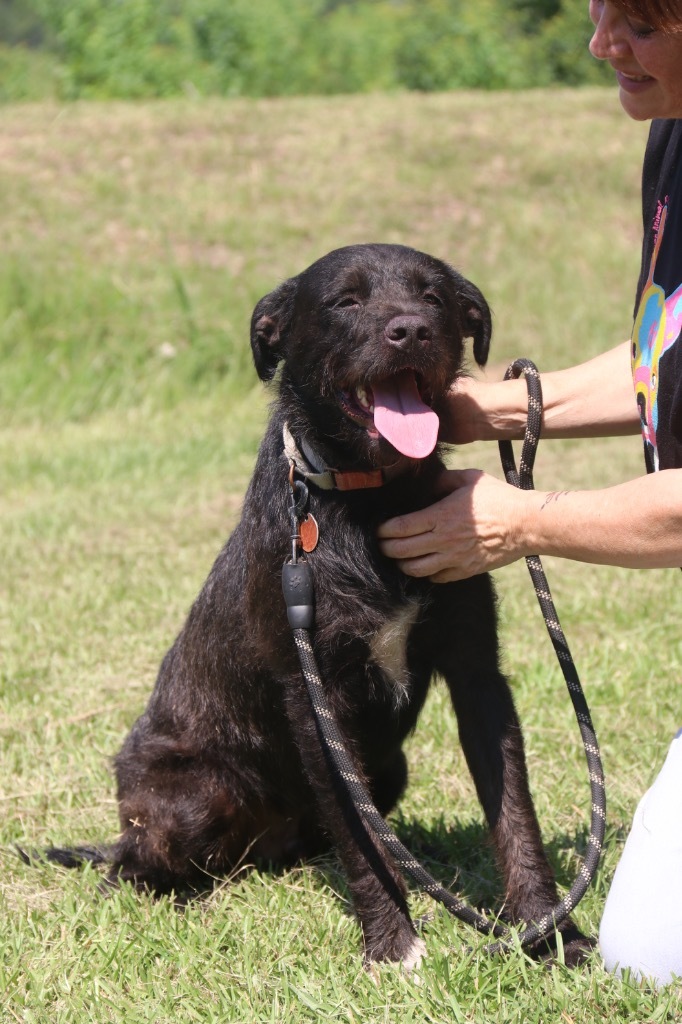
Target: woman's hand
[[476, 527], [482, 524], [477, 410], [593, 399]]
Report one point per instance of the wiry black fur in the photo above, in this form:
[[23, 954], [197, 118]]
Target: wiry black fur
[[226, 758]]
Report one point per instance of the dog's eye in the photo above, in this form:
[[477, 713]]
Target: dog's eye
[[433, 299], [345, 302]]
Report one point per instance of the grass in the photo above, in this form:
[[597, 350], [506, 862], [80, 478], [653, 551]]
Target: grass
[[136, 240]]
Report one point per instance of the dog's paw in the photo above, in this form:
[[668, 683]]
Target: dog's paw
[[576, 947], [413, 959], [409, 953]]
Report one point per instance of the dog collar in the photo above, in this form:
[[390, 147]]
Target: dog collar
[[307, 463]]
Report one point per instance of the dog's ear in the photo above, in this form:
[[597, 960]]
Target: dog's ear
[[478, 322], [269, 325]]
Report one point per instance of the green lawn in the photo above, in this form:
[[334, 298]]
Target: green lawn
[[136, 240]]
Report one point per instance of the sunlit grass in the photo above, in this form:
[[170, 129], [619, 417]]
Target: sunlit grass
[[136, 240]]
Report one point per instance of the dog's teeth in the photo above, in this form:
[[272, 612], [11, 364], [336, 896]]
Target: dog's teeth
[[362, 398]]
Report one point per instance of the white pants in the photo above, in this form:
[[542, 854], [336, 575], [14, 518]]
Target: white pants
[[642, 924]]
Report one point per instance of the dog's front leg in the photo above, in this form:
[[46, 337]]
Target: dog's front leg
[[493, 746], [376, 886], [462, 637]]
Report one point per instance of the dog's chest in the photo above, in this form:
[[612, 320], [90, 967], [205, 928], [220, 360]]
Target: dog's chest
[[388, 647]]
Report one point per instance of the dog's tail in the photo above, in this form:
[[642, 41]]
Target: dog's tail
[[67, 857]]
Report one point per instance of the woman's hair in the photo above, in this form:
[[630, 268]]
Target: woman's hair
[[665, 15]]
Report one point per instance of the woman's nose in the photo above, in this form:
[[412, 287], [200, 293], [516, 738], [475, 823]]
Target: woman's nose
[[610, 31]]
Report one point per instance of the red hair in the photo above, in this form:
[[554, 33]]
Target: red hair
[[665, 15]]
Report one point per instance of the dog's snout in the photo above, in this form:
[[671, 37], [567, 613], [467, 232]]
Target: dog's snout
[[403, 331]]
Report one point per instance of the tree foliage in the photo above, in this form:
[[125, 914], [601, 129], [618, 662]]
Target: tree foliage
[[148, 48]]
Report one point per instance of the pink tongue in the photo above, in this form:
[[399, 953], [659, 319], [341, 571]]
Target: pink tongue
[[402, 418]]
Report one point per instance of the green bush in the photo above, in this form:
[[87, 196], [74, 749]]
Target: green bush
[[453, 44], [27, 74], [149, 48], [564, 40], [358, 47], [258, 49], [121, 48]]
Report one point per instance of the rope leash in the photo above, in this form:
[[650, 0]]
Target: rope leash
[[524, 480], [297, 585]]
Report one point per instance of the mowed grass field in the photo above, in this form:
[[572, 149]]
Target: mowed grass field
[[135, 241]]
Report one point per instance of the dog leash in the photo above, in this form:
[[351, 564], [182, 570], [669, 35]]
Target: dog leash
[[298, 589]]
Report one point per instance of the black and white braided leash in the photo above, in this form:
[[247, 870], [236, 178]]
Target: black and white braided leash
[[297, 585], [524, 480]]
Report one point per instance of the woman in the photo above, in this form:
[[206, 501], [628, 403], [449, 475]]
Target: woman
[[482, 523]]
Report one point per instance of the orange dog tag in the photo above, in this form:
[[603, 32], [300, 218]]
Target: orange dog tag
[[310, 533]]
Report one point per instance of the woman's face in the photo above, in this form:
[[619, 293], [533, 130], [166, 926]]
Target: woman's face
[[648, 63]]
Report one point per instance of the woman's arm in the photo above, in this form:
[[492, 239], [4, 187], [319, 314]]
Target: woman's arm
[[483, 523], [593, 399]]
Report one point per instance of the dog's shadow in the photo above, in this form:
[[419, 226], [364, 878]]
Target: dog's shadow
[[458, 855]]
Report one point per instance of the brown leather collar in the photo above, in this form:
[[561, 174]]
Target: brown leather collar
[[307, 464]]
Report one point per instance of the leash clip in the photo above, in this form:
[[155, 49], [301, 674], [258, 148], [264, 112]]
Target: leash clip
[[297, 576], [298, 502], [297, 587]]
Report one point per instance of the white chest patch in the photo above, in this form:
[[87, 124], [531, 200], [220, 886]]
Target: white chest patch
[[388, 648]]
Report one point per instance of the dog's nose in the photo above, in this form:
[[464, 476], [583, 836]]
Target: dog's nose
[[403, 331]]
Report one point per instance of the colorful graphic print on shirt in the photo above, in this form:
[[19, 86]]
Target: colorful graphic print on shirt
[[657, 327]]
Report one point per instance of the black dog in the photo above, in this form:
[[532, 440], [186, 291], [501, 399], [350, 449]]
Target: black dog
[[226, 758]]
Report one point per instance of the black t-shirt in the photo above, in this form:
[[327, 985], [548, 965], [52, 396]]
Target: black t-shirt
[[656, 344]]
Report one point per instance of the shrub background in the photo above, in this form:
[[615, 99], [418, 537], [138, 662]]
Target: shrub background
[[130, 49]]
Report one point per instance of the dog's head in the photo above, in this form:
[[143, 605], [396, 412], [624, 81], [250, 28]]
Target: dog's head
[[371, 337]]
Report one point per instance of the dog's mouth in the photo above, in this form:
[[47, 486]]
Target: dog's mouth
[[396, 409]]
